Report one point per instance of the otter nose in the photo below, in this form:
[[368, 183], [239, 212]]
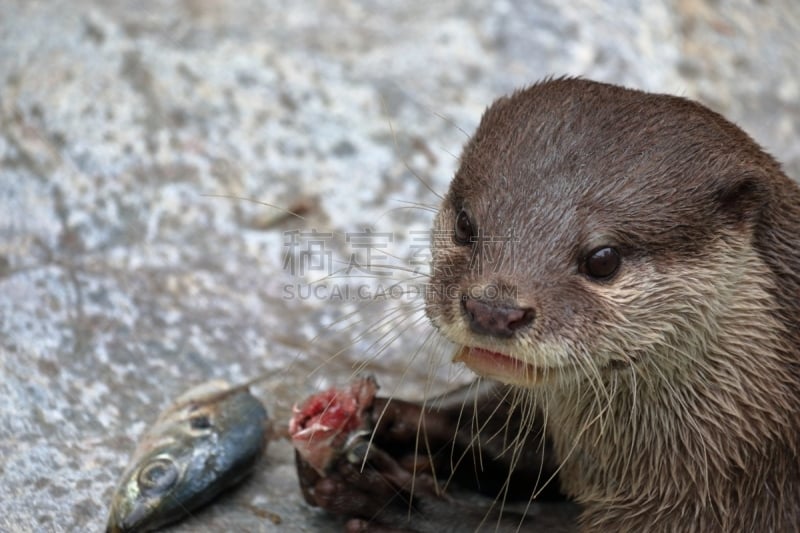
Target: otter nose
[[495, 319]]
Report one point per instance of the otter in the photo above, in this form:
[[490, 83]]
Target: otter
[[623, 270]]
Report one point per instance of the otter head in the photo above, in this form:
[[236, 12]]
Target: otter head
[[592, 228]]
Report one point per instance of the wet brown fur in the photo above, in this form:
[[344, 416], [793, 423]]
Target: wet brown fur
[[672, 390]]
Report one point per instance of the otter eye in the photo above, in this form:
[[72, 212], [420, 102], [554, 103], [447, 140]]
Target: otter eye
[[464, 232], [158, 476], [602, 263]]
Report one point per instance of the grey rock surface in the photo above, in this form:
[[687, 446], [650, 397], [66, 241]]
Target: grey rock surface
[[132, 266]]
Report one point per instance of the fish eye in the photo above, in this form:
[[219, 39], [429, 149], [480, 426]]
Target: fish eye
[[159, 475], [464, 231]]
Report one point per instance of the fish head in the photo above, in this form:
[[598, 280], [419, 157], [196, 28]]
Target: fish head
[[191, 454], [149, 493]]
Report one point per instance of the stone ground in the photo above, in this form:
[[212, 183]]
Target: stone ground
[[131, 267]]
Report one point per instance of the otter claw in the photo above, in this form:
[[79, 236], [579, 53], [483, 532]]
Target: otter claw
[[356, 447]]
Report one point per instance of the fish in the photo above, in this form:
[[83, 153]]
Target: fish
[[325, 422], [205, 442]]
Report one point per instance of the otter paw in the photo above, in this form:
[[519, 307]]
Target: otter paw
[[368, 484]]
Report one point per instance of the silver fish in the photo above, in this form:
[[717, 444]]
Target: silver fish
[[204, 443]]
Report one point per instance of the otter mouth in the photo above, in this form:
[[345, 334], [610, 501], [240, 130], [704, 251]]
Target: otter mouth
[[512, 371], [502, 367]]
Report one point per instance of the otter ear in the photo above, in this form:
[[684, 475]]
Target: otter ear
[[742, 198]]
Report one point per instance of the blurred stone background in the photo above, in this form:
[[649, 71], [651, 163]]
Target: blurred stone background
[[129, 270]]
